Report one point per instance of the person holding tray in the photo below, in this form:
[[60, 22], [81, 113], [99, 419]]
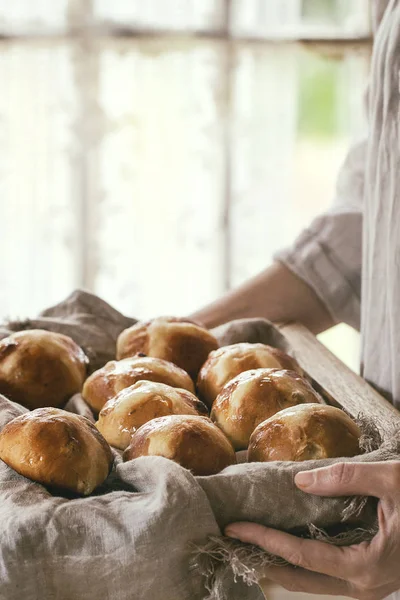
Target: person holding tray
[[345, 268]]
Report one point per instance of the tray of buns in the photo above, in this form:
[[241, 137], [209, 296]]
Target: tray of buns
[[177, 390]]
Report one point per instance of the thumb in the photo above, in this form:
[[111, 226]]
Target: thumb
[[352, 479]]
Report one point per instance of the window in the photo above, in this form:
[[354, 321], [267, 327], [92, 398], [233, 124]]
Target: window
[[160, 152]]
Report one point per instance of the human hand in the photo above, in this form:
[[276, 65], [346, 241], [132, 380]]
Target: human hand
[[367, 571]]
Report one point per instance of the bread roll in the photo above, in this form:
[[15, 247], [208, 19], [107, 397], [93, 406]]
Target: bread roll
[[39, 368], [182, 342], [115, 376], [136, 405], [226, 363], [255, 395], [193, 442], [305, 432], [58, 449]]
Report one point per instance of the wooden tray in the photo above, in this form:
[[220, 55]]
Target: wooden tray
[[338, 384]]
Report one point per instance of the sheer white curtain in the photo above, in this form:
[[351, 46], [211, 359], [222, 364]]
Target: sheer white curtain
[[150, 153], [160, 175], [39, 196]]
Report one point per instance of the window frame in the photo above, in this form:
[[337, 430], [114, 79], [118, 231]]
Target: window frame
[[85, 35]]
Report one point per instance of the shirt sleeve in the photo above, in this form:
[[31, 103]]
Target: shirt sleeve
[[328, 254]]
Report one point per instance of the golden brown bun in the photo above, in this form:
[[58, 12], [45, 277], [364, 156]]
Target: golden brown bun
[[117, 375], [182, 342], [193, 442], [39, 368], [255, 395], [305, 432], [136, 405], [226, 363], [58, 449]]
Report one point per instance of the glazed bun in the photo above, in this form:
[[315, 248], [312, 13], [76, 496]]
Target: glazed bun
[[39, 368], [182, 342], [57, 449], [226, 363], [115, 376], [193, 442], [305, 432], [255, 395], [136, 405]]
